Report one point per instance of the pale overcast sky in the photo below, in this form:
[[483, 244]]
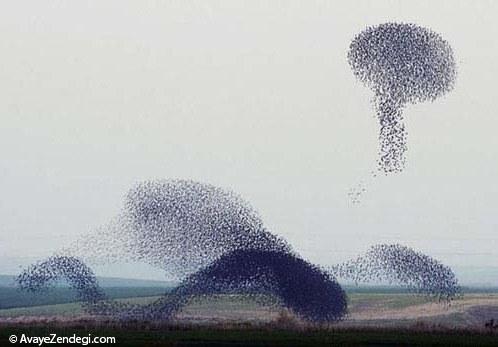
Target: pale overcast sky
[[253, 96]]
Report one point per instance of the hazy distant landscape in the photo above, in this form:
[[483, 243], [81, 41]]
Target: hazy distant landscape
[[373, 312], [370, 307]]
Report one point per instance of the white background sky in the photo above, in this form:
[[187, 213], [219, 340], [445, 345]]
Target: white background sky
[[254, 96]]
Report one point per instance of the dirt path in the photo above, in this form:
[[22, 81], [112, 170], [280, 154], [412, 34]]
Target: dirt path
[[425, 310]]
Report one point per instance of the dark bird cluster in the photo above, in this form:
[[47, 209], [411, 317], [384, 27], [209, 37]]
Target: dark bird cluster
[[401, 63], [168, 223], [402, 265], [38, 277], [175, 223], [296, 284]]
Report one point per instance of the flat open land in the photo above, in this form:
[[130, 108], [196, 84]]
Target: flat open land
[[396, 319], [471, 311]]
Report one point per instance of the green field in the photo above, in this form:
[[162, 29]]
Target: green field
[[13, 297], [231, 303], [374, 319], [365, 309], [72, 309]]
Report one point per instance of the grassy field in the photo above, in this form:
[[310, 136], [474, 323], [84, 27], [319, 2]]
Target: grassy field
[[12, 297], [72, 309], [374, 319], [365, 309]]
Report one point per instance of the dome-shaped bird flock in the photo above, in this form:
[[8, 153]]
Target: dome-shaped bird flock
[[226, 249]]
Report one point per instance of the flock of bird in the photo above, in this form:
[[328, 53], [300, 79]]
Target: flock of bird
[[401, 63], [214, 242]]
